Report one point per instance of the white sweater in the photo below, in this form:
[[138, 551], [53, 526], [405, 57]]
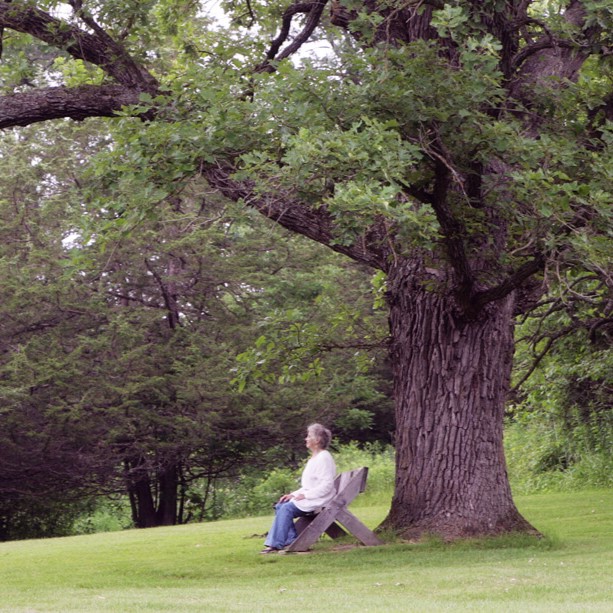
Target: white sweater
[[317, 482]]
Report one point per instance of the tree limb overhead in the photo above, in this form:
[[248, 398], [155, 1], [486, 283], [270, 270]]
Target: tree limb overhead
[[77, 103], [314, 223], [102, 51]]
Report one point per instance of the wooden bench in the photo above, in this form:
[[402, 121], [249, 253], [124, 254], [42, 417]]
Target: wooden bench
[[335, 514]]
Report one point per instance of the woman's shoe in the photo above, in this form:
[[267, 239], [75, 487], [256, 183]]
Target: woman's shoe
[[270, 550]]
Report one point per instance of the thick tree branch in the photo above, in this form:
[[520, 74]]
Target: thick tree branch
[[540, 45], [314, 223], [102, 51], [453, 232], [548, 59], [314, 10], [286, 24], [62, 102], [511, 283]]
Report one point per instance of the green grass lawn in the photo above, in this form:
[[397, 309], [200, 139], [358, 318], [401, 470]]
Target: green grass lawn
[[216, 567]]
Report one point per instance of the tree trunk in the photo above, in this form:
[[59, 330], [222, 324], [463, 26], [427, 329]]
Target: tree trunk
[[143, 508], [138, 485], [451, 378], [168, 483]]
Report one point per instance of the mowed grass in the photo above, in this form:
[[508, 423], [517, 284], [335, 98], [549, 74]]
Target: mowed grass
[[216, 567]]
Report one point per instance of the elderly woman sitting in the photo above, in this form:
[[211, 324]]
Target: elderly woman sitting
[[317, 489]]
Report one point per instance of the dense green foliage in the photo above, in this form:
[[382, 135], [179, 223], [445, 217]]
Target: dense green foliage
[[127, 341], [560, 431]]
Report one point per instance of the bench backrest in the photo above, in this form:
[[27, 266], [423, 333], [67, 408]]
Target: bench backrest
[[349, 484]]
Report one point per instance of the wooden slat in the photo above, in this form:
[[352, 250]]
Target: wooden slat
[[364, 478], [334, 530], [314, 530], [357, 528]]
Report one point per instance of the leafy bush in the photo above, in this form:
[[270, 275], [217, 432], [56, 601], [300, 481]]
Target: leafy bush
[[30, 518], [380, 460], [105, 517], [545, 457]]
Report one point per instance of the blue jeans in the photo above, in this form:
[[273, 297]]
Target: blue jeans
[[282, 532]]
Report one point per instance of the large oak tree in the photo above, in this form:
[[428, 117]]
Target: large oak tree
[[460, 148]]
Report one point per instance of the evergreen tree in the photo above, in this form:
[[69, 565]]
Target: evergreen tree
[[119, 339]]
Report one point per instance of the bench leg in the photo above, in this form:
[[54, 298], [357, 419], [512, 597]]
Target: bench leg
[[333, 531], [317, 526], [302, 523], [357, 528]]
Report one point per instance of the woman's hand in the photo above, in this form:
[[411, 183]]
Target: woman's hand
[[288, 497]]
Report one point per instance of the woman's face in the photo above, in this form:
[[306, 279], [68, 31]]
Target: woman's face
[[311, 442]]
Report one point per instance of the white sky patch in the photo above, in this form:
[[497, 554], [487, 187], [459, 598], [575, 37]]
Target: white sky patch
[[71, 241]]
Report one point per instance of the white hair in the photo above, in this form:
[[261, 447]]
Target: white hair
[[321, 434]]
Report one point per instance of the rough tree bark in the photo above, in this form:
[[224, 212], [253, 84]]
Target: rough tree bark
[[79, 103], [451, 375], [140, 493], [153, 493]]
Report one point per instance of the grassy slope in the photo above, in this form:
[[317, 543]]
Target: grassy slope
[[216, 567]]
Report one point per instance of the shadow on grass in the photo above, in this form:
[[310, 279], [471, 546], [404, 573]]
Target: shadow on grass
[[393, 545]]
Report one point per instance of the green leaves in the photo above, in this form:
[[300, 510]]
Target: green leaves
[[598, 13], [294, 355], [358, 174], [449, 22]]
